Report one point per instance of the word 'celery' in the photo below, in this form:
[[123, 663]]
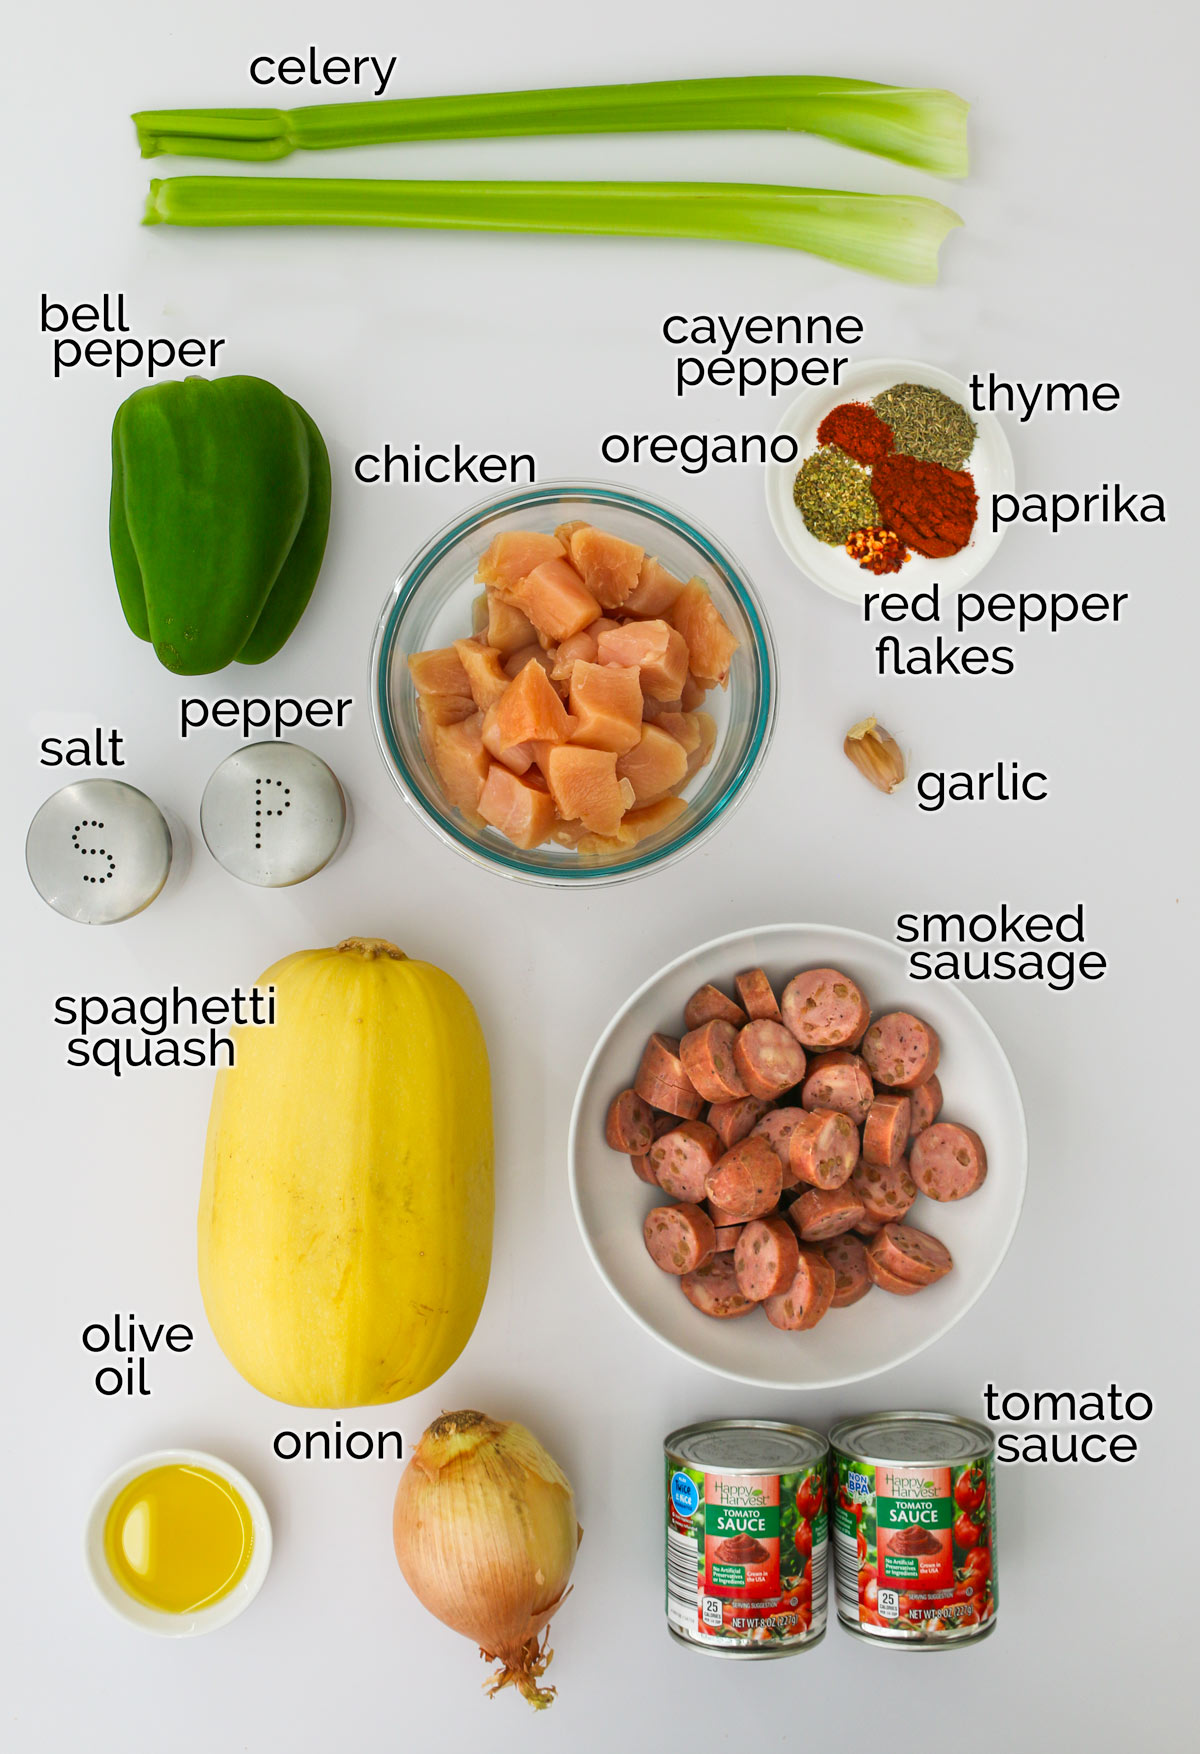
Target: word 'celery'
[[894, 235], [926, 128]]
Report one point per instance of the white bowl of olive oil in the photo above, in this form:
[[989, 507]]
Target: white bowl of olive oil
[[178, 1542]]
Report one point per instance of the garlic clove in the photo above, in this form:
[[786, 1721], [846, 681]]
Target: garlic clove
[[875, 753]]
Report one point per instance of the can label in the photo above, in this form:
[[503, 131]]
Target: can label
[[914, 1547], [746, 1555]]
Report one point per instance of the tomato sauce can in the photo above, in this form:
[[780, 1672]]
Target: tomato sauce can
[[913, 1499], [747, 1537]]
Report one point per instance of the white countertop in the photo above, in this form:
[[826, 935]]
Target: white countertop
[[1071, 266]]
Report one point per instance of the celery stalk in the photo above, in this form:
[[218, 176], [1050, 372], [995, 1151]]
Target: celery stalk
[[894, 235], [925, 128]]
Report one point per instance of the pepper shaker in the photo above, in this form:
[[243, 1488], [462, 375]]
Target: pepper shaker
[[274, 814]]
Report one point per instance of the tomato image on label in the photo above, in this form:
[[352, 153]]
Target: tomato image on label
[[978, 1563], [970, 1489], [968, 1531], [811, 1496]]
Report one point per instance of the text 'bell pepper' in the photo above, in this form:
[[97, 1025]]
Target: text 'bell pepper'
[[218, 518]]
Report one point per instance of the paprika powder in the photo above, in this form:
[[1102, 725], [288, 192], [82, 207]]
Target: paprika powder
[[929, 507], [856, 429]]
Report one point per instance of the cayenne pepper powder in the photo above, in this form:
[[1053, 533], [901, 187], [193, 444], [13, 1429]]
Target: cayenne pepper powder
[[929, 507], [856, 429]]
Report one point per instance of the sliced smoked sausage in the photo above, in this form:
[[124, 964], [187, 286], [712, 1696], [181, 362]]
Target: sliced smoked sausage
[[808, 1297], [948, 1162], [731, 1121], [822, 1213], [885, 1280], [886, 1129], [630, 1124], [777, 1127], [727, 1235], [886, 1190], [901, 1051], [679, 1239], [757, 995], [926, 1100], [707, 1055], [766, 1258], [642, 1169], [839, 1080], [708, 1004], [662, 1081], [848, 1258], [713, 1290], [768, 1058], [911, 1254], [683, 1159], [746, 1182], [824, 1009], [823, 1148]]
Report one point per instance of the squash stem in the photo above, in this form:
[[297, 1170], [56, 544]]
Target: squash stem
[[371, 948]]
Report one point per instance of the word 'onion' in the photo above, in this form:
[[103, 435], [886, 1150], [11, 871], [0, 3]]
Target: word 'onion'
[[486, 1537]]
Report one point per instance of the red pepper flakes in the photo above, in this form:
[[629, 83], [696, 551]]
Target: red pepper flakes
[[854, 427], [880, 551]]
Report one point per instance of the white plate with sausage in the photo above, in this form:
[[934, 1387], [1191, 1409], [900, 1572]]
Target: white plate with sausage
[[879, 1330]]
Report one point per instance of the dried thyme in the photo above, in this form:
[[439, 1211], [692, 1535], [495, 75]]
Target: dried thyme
[[927, 424]]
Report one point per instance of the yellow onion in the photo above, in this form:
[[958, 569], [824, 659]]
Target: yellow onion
[[486, 1536]]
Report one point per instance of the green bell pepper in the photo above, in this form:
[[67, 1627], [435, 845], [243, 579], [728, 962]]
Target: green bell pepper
[[218, 518]]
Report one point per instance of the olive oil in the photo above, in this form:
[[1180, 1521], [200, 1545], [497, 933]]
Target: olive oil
[[178, 1538]]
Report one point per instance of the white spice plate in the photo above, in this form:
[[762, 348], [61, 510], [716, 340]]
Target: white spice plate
[[881, 1330], [990, 463]]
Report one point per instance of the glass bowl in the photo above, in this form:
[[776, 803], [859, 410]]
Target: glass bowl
[[431, 606]]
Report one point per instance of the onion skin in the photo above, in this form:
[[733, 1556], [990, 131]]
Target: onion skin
[[485, 1535]]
